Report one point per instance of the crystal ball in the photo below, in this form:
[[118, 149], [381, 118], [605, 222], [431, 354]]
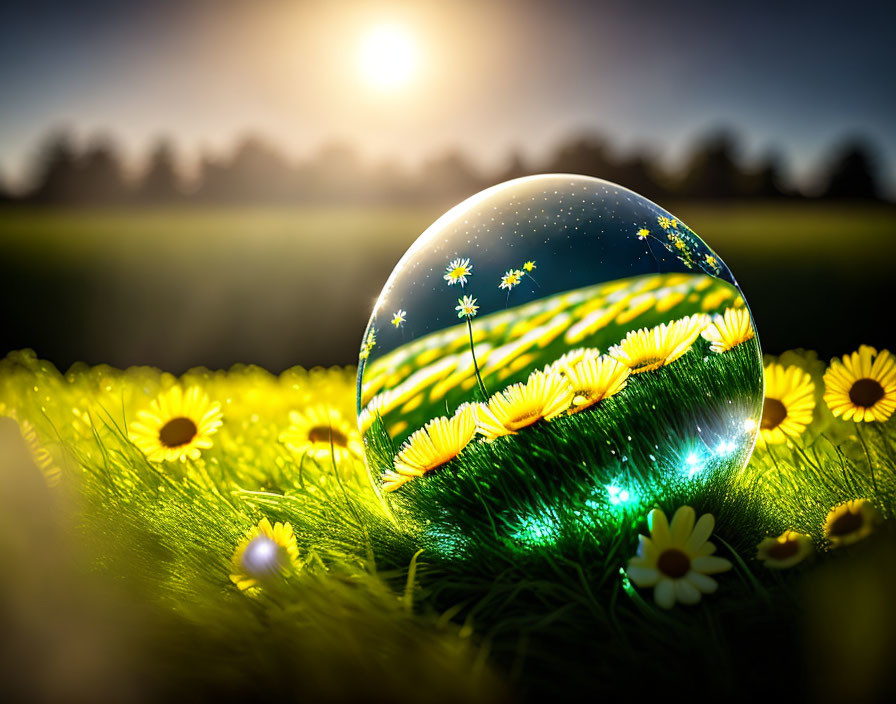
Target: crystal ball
[[551, 355]]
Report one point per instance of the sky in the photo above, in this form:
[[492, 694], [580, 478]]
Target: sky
[[486, 77], [577, 231]]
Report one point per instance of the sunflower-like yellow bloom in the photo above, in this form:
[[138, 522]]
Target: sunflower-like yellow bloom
[[265, 552], [729, 330], [177, 426], [862, 387], [436, 443], [321, 432], [677, 559], [392, 480], [850, 522], [571, 358], [785, 551], [544, 396], [41, 456], [594, 379], [651, 348], [789, 403]]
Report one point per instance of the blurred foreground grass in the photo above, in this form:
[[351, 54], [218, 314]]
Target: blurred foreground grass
[[284, 286], [119, 569]]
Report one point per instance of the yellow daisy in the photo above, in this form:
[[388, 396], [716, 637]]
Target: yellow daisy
[[466, 307], [789, 403], [436, 443], [677, 559], [457, 272], [785, 551], [664, 222], [529, 266], [178, 425], [850, 522], [265, 551], [369, 344], [595, 379], [312, 431], [392, 480], [399, 318], [511, 278], [862, 387], [542, 397], [575, 356], [729, 330], [41, 456], [646, 349], [643, 233]]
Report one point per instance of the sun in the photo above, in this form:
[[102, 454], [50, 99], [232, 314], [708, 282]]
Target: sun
[[388, 56]]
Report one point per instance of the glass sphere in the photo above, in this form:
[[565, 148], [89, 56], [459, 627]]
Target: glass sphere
[[550, 354]]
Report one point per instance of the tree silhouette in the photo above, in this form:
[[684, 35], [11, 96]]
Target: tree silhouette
[[853, 172], [516, 168], [766, 180], [160, 183], [638, 173], [449, 177], [712, 170], [256, 173], [586, 154], [56, 179], [100, 177]]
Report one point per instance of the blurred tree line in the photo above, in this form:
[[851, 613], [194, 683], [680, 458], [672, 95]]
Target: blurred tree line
[[257, 173]]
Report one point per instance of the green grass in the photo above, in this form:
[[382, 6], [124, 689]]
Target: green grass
[[147, 553], [249, 284], [419, 380], [545, 489]]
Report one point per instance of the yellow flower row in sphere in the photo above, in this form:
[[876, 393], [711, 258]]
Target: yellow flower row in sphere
[[860, 387], [578, 380]]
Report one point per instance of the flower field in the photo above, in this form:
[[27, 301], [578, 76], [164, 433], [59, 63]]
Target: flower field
[[260, 544]]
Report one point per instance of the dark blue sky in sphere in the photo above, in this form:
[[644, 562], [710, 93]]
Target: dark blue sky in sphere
[[580, 231]]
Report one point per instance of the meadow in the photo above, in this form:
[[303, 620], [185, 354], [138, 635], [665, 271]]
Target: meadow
[[364, 606], [139, 556], [278, 287]]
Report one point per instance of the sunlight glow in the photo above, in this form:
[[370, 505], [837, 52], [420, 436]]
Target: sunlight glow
[[388, 56]]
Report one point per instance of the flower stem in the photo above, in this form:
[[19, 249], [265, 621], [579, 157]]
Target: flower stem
[[475, 363]]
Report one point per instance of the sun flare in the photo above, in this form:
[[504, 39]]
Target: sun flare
[[388, 56]]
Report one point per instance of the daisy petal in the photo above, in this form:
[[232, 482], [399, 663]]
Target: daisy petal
[[643, 576], [686, 592], [701, 532], [664, 594], [682, 525]]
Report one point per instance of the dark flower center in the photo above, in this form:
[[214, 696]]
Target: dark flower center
[[866, 392], [846, 523], [674, 563], [773, 413], [177, 432], [781, 551], [324, 434]]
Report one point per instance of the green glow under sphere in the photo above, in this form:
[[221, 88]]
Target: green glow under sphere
[[550, 357]]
